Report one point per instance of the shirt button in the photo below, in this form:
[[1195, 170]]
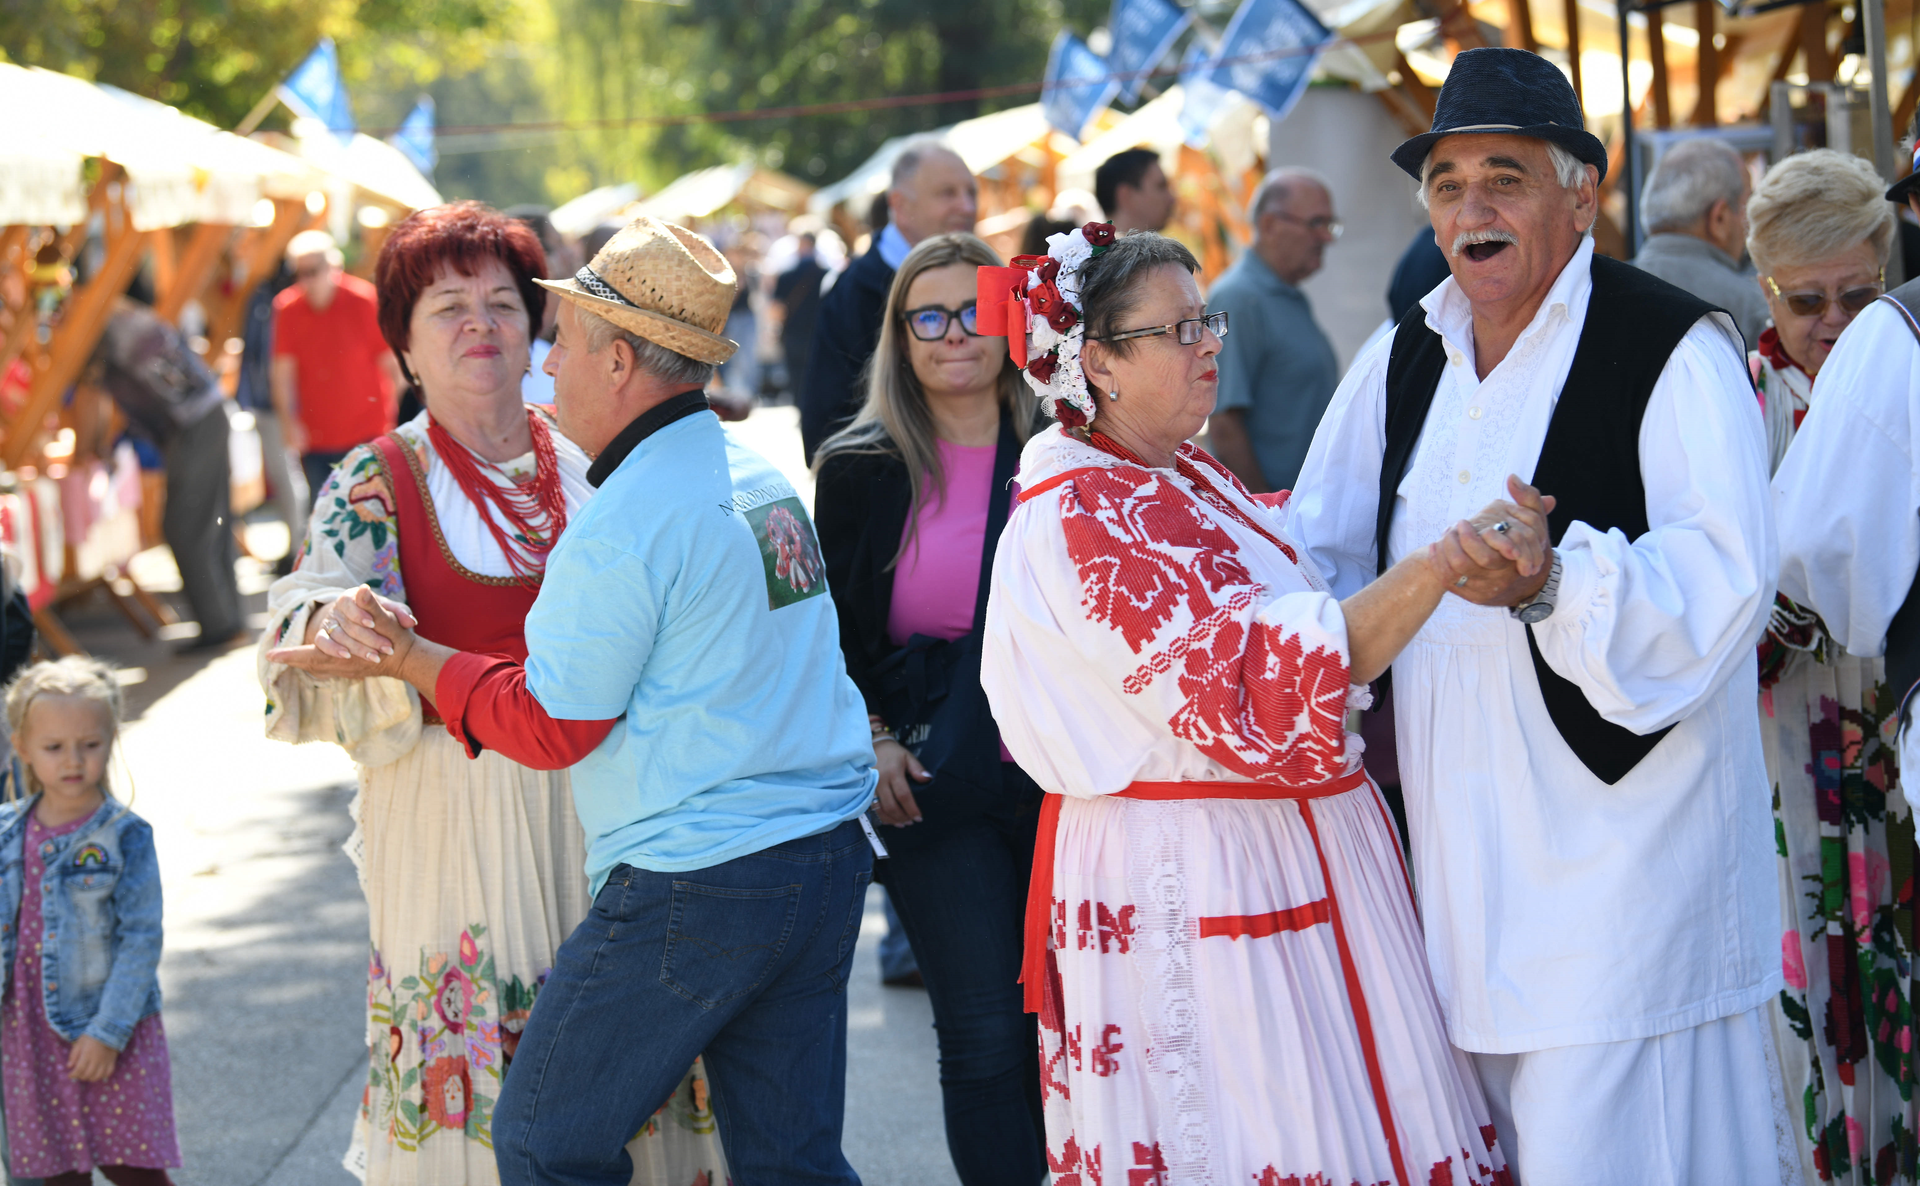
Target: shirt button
[[1465, 477], [1456, 358], [1473, 413]]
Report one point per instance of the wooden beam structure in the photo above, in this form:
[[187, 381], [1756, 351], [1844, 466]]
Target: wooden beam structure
[[1657, 52], [73, 341], [1422, 94], [1520, 26], [193, 268], [1573, 49], [1813, 43], [262, 254]]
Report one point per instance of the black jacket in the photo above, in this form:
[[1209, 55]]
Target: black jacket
[[860, 505], [843, 341]]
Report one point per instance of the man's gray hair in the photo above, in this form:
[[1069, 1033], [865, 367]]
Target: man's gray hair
[[653, 358], [915, 154], [1280, 183], [1689, 179], [1569, 169]]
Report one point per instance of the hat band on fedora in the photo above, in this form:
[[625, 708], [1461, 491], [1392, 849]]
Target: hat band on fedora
[[590, 280]]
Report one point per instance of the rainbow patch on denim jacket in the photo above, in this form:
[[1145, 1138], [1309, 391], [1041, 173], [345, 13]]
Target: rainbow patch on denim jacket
[[90, 855]]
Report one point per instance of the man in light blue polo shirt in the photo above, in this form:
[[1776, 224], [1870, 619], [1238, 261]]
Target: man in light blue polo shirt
[[684, 652]]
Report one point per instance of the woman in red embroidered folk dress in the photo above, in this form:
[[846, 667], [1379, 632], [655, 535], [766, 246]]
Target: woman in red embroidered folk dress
[[1222, 944]]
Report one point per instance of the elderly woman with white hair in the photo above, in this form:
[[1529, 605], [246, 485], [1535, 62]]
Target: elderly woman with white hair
[[1820, 235]]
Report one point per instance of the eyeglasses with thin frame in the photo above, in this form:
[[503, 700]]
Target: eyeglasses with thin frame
[[1322, 224], [929, 322], [1813, 304], [1189, 331]]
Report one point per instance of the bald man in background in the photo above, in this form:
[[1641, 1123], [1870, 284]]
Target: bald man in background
[[932, 193], [1278, 371]]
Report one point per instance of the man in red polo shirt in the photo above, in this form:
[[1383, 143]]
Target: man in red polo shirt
[[333, 377]]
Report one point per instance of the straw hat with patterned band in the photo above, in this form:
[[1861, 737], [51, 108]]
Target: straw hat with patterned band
[[662, 282]]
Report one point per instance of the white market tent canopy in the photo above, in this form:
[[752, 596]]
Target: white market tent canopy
[[377, 168], [982, 143], [182, 170], [575, 218], [704, 191], [1239, 137]]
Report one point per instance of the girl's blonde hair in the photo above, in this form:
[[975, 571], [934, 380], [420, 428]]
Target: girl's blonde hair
[[895, 420], [75, 675]]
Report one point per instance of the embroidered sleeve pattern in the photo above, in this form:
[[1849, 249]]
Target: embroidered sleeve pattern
[[1259, 685], [352, 540]]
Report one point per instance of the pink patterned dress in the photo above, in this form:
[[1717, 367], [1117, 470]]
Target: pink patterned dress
[[55, 1125]]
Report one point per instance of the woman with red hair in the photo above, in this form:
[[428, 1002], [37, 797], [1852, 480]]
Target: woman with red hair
[[473, 865]]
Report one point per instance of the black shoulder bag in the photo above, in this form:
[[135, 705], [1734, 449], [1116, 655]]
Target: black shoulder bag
[[930, 690]]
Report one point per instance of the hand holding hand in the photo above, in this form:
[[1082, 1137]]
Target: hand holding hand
[[352, 637], [1501, 557], [899, 770], [89, 1060]]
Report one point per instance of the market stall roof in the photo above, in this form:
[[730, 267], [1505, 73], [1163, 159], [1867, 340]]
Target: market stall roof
[[704, 191], [575, 218], [182, 169], [982, 143], [377, 168]]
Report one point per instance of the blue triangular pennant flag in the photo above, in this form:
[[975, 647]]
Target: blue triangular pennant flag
[[1078, 84], [1143, 31], [315, 90], [415, 137], [1268, 52]]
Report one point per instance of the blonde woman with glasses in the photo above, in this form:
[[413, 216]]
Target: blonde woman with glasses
[[909, 500], [1820, 234]]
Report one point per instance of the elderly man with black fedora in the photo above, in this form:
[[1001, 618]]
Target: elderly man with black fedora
[[1579, 752], [683, 658]]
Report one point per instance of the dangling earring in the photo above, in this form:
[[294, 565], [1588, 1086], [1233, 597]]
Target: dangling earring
[[1114, 394]]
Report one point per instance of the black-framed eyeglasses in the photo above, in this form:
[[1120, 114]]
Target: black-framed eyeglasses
[[1813, 304], [929, 322], [1189, 331]]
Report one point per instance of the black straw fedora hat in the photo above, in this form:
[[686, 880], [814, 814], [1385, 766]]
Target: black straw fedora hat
[[1908, 186], [1508, 91]]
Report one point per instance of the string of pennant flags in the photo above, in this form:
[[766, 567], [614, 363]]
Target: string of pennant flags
[[1266, 54]]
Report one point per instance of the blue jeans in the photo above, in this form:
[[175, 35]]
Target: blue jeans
[[961, 888], [747, 962]]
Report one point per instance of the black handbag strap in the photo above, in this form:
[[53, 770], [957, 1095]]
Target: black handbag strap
[[1006, 461]]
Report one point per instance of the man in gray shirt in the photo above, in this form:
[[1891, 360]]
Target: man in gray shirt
[[1277, 368], [1695, 206]]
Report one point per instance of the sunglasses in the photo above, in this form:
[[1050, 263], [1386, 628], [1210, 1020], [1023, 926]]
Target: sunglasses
[[929, 322], [1813, 304], [1189, 331]]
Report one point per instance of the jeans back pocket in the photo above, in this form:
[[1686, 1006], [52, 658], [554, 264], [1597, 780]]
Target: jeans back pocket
[[723, 941]]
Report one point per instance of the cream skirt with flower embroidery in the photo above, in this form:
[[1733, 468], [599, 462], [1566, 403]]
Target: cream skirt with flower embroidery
[[473, 875]]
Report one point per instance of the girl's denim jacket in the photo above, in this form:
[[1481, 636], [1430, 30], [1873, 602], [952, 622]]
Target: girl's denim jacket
[[100, 903]]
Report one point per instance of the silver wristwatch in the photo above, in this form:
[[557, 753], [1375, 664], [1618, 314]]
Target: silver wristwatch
[[1539, 607]]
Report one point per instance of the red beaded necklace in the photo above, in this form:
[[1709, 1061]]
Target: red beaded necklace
[[536, 509]]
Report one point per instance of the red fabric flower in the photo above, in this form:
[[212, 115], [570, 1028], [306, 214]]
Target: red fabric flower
[[1063, 318], [1049, 269], [1045, 300], [1068, 415], [1042, 368], [1099, 234]]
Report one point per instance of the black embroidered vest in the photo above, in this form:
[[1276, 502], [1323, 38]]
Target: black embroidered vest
[[1590, 461]]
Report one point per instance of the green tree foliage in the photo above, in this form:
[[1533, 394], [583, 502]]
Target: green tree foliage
[[618, 59]]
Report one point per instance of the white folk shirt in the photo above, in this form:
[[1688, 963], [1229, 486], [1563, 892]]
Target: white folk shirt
[[1847, 492], [1560, 910]]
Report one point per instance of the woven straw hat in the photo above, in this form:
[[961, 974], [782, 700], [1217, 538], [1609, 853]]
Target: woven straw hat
[[662, 282]]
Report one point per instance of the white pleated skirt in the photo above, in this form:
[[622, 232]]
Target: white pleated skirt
[[1237, 992]]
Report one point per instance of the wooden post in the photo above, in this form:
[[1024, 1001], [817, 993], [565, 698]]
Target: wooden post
[[73, 342], [1573, 49], [224, 312], [1657, 51], [1520, 26], [1706, 110], [193, 268], [1813, 43], [1422, 94]]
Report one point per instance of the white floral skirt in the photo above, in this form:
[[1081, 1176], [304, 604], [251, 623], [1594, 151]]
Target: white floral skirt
[[474, 874], [1220, 1010]]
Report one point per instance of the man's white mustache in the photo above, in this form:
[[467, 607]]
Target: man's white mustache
[[1466, 239]]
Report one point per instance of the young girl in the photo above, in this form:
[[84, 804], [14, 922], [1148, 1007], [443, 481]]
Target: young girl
[[84, 1058]]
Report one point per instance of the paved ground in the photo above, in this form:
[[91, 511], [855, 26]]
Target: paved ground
[[266, 929]]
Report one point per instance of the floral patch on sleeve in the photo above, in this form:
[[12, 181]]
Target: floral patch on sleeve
[[355, 511]]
